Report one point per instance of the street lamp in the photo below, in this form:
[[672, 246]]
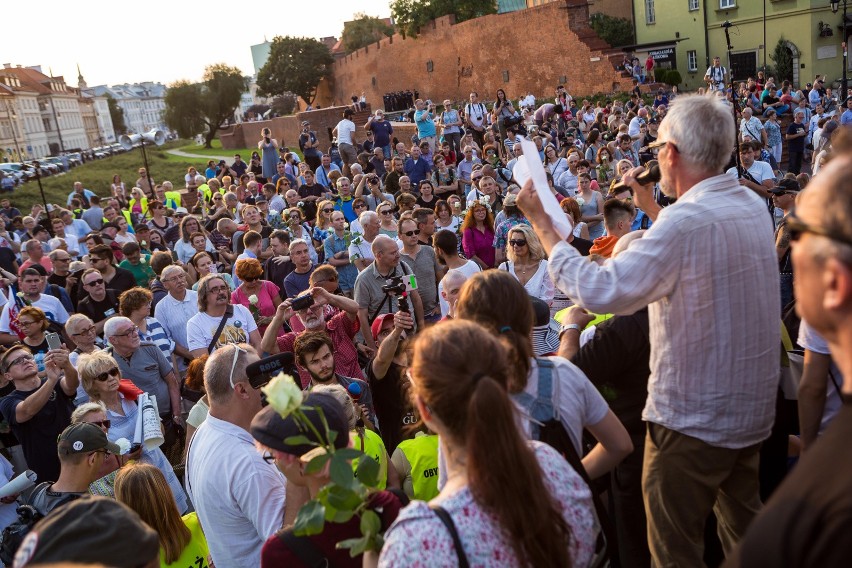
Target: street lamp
[[835, 4], [58, 129], [12, 119]]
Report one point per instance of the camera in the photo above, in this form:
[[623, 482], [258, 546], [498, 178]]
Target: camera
[[261, 372], [302, 302], [400, 286]]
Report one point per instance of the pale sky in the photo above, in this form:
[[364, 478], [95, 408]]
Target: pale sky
[[160, 40]]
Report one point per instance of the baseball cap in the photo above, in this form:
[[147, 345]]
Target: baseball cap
[[181, 211], [784, 186], [260, 199], [379, 324], [84, 438], [270, 429], [93, 530]]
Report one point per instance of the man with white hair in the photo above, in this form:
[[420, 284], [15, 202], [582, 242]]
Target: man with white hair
[[360, 249], [372, 300], [239, 497], [175, 309], [751, 126], [340, 328], [701, 450]]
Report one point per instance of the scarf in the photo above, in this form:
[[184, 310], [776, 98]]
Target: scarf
[[603, 246]]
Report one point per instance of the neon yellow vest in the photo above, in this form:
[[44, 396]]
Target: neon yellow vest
[[374, 447], [422, 454]]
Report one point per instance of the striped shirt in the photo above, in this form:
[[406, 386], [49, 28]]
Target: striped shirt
[[157, 335], [707, 271]]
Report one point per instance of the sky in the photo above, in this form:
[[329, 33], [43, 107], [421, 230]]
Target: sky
[[162, 41]]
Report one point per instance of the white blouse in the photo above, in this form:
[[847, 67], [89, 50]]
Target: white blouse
[[539, 286]]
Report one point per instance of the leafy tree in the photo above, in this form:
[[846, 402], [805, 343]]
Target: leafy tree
[[614, 31], [116, 113], [295, 64], [411, 15], [783, 59], [203, 107], [363, 31], [285, 104]]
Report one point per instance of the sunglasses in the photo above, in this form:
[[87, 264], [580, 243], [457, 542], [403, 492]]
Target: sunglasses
[[517, 242], [255, 279], [412, 233], [105, 424], [114, 372], [387, 212], [328, 210], [96, 282], [359, 206], [797, 228]]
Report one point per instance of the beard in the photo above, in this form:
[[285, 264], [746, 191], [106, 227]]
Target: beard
[[321, 379]]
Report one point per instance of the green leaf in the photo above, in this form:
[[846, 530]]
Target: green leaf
[[310, 520], [368, 471], [349, 453], [299, 440], [371, 524], [341, 472], [342, 498], [317, 463], [356, 546]]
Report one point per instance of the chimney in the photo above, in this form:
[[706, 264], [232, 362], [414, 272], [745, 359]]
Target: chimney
[[7, 66]]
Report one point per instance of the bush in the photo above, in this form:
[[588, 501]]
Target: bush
[[672, 78], [660, 75]]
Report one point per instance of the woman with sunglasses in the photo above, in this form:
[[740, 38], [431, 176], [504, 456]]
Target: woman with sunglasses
[[101, 378], [158, 219], [252, 286], [299, 229], [359, 205], [387, 221], [81, 330], [526, 262], [322, 226], [33, 323]]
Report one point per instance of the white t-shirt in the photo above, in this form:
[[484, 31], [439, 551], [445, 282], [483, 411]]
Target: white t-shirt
[[345, 130], [361, 249], [761, 171], [577, 401], [476, 113], [239, 497], [468, 269], [201, 327], [51, 307]]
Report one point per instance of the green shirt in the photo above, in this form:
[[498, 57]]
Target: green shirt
[[196, 548], [142, 272]]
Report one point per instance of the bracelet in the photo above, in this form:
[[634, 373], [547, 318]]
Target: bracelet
[[569, 327]]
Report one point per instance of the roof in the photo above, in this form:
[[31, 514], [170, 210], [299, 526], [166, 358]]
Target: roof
[[36, 81], [142, 90]]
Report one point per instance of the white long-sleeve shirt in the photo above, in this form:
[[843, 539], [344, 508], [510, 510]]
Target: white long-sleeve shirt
[[708, 272]]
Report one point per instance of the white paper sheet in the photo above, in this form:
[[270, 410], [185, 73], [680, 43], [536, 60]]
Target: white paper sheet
[[533, 169], [19, 484]]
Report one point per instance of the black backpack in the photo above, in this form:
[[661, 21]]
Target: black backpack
[[29, 514]]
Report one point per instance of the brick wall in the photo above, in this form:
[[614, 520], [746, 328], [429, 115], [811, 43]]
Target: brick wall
[[533, 47]]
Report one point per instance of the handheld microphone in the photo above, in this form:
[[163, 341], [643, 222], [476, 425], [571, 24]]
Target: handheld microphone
[[651, 175], [354, 390]]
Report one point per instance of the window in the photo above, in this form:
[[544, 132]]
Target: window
[[650, 16], [727, 4], [743, 65], [691, 61], [693, 5]]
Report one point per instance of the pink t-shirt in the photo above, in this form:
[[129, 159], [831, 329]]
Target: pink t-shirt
[[267, 291]]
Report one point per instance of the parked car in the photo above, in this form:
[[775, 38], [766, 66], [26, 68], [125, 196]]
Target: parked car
[[54, 161], [15, 170]]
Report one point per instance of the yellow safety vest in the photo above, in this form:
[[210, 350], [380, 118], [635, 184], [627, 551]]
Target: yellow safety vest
[[422, 453], [374, 447]]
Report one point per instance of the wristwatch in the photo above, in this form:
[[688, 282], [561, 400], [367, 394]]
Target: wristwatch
[[569, 327]]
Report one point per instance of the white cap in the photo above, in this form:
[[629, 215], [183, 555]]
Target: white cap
[[182, 210]]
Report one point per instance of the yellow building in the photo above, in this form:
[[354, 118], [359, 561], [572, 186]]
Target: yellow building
[[692, 32]]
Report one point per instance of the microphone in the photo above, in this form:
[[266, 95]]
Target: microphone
[[651, 175], [354, 390]]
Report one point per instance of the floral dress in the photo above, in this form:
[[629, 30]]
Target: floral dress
[[418, 538]]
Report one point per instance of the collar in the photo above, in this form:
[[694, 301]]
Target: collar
[[229, 429], [344, 199]]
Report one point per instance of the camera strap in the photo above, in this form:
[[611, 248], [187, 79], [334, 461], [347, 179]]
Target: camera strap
[[229, 312], [373, 316]]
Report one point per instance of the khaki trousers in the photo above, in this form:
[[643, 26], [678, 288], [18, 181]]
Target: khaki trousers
[[683, 479]]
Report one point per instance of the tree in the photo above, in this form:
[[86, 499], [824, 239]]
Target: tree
[[285, 104], [363, 31], [192, 108], [614, 31], [116, 113], [411, 15], [295, 64], [783, 58]]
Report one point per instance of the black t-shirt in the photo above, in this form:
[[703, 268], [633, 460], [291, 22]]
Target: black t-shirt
[[38, 434], [99, 311], [55, 278], [122, 281], [392, 408], [276, 270], [806, 522], [796, 144], [616, 360], [8, 439], [582, 245], [7, 260], [310, 208]]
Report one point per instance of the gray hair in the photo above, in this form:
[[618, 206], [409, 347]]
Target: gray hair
[[74, 322], [709, 115], [112, 324], [453, 276], [169, 270], [87, 407], [200, 179], [55, 243], [299, 242], [367, 217], [217, 370]]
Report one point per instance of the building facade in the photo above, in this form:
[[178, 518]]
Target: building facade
[[687, 34], [143, 104]]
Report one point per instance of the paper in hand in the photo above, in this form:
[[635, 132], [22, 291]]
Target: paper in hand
[[533, 169], [18, 484]]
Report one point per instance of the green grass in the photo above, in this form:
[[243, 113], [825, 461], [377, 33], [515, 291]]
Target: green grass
[[216, 150], [97, 175]]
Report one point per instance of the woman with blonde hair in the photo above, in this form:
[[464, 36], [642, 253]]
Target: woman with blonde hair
[[387, 221], [322, 226], [138, 204], [96, 413], [100, 376], [143, 488], [526, 262]]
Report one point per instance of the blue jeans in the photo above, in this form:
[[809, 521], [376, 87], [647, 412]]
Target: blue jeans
[[786, 289], [386, 150]]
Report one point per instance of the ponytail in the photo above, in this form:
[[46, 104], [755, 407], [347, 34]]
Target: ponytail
[[516, 495]]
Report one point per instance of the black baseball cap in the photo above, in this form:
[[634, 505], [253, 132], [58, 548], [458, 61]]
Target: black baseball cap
[[83, 438], [786, 186], [271, 430]]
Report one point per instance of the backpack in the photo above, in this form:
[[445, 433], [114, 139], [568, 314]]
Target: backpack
[[29, 514]]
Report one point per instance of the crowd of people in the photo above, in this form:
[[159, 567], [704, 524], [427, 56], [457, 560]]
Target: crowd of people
[[532, 397]]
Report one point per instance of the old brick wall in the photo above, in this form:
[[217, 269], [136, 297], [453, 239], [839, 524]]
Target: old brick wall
[[531, 48]]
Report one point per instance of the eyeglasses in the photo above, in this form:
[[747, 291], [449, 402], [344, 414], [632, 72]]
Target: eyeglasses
[[62, 259], [129, 333], [268, 457], [86, 331], [218, 289], [660, 144], [328, 210], [797, 227], [25, 323], [517, 242], [95, 282], [387, 212], [412, 233], [105, 424], [97, 259], [359, 206], [20, 360], [114, 372], [237, 351]]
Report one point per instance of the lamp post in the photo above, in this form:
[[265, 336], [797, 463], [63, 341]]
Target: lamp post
[[58, 129], [835, 4], [12, 119]]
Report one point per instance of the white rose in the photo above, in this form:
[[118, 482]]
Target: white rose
[[124, 445], [300, 204], [580, 201], [253, 299], [283, 394]]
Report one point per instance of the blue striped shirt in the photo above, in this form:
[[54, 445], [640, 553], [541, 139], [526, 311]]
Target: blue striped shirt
[[157, 335]]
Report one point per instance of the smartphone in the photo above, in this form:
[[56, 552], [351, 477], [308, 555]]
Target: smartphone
[[134, 447], [53, 340]]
